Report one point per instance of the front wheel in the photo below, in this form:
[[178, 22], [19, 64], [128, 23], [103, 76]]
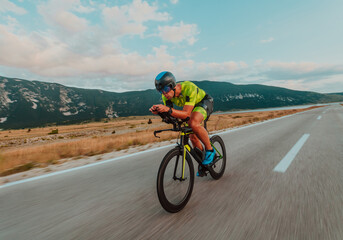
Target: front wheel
[[218, 168], [175, 181]]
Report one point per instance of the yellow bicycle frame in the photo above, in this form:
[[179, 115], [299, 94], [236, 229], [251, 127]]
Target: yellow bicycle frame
[[185, 149], [188, 148]]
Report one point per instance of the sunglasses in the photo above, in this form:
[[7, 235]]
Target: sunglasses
[[166, 89]]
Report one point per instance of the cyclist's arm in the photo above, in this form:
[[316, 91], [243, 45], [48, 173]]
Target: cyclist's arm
[[182, 114], [190, 94]]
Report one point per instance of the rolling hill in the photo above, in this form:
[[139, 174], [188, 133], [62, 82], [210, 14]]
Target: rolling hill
[[25, 104]]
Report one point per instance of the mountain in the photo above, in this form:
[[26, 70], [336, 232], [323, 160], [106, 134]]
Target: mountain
[[340, 93], [25, 104], [251, 96], [32, 103]]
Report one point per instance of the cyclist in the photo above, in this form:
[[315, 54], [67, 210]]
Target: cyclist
[[197, 106]]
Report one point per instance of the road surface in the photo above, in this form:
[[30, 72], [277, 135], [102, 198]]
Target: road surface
[[283, 180]]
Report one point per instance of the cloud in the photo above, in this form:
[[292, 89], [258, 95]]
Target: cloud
[[7, 6], [258, 62], [84, 9], [303, 70], [12, 23], [214, 71], [307, 76], [50, 57], [178, 33], [74, 50], [328, 84], [174, 1], [267, 40], [58, 13], [129, 19], [32, 51]]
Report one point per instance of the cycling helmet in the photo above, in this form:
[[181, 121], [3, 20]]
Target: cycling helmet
[[165, 81]]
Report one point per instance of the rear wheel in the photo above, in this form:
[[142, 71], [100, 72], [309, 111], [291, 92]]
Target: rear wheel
[[175, 182], [220, 159]]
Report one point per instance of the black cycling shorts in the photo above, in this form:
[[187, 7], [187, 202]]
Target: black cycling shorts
[[205, 104]]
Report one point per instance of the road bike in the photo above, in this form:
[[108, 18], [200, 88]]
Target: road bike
[[175, 179]]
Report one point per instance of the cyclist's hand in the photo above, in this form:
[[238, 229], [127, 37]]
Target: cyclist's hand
[[162, 108], [153, 109]]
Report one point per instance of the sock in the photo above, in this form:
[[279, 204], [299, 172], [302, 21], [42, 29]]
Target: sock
[[209, 150]]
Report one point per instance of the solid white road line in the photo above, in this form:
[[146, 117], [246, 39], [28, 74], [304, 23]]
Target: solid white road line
[[84, 166], [318, 118], [287, 160]]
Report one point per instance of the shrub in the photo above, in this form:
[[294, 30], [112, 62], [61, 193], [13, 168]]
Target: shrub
[[54, 131], [149, 122], [21, 168]]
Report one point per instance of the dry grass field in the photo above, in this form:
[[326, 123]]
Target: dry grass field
[[21, 150]]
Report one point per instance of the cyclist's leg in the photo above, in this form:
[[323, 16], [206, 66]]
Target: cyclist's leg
[[204, 109], [195, 123], [195, 141]]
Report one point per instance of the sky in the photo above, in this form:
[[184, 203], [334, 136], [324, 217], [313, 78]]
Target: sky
[[118, 45]]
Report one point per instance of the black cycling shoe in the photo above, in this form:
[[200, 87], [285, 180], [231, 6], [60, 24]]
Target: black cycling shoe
[[201, 172]]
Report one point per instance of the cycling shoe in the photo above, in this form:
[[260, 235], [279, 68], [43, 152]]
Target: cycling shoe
[[209, 157]]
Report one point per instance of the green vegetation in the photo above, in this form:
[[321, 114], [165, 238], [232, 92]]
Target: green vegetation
[[21, 168], [54, 131]]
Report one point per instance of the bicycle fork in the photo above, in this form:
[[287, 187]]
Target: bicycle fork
[[183, 148]]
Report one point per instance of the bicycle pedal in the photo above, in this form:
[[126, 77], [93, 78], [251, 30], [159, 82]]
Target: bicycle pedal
[[201, 174]]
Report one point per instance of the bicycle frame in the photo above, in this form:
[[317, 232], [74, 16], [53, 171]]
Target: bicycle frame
[[185, 147], [180, 160]]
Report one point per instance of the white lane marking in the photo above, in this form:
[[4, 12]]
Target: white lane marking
[[287, 160], [318, 118], [81, 167]]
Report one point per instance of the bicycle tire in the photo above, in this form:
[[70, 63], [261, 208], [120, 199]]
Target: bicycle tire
[[219, 167], [162, 180]]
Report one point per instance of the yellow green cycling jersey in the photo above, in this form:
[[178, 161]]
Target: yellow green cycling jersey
[[190, 95]]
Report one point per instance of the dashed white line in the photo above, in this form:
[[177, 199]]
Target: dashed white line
[[318, 118], [287, 160]]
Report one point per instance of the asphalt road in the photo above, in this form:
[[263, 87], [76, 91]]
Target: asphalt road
[[118, 200]]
